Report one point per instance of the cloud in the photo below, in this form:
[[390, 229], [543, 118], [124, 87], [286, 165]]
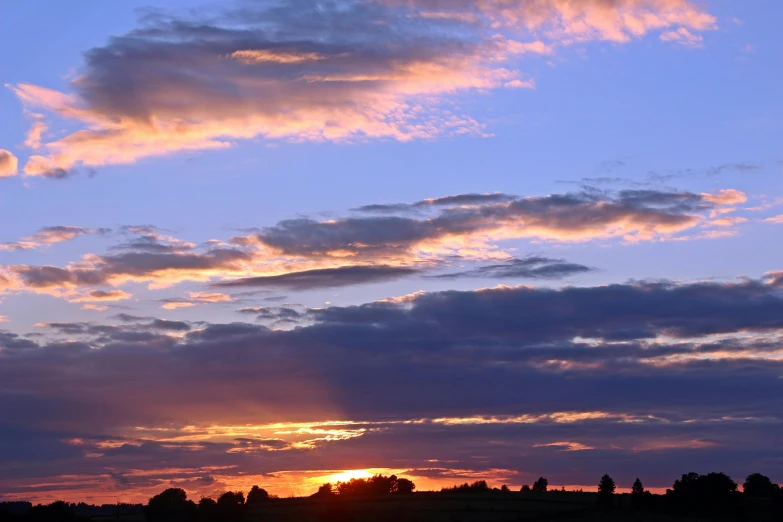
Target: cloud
[[102, 295], [50, 235], [323, 278], [175, 326], [133, 266], [388, 241], [532, 267], [571, 21], [633, 215], [683, 36], [195, 298], [308, 71], [94, 307], [8, 164], [35, 135]]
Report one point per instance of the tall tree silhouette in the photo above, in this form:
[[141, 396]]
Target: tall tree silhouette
[[606, 490], [639, 497]]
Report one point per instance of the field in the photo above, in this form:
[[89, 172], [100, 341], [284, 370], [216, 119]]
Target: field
[[475, 507], [435, 507]]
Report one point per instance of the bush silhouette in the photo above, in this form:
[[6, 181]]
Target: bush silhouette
[[524, 489]]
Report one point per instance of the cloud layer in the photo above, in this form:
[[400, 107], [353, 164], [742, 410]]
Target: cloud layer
[[658, 372]]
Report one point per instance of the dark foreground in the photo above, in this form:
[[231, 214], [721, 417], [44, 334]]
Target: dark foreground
[[473, 507], [489, 507]]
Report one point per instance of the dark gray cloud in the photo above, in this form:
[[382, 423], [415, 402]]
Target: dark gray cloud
[[129, 265], [565, 216], [174, 326], [323, 278], [531, 267], [448, 201]]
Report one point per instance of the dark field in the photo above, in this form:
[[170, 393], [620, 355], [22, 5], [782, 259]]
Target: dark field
[[437, 507]]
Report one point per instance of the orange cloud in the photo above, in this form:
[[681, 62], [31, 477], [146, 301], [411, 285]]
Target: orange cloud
[[96, 308], [726, 197], [9, 165], [35, 135], [570, 21], [684, 37]]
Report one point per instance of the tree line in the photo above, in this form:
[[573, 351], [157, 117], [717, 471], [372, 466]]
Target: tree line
[[714, 494]]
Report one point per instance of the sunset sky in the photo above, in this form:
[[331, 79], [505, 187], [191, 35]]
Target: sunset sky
[[290, 242]]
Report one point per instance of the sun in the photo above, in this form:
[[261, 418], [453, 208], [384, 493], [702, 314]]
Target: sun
[[346, 475]]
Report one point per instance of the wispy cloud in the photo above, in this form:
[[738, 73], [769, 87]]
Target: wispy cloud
[[49, 236]]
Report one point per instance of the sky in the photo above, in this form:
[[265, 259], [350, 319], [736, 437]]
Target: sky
[[290, 242]]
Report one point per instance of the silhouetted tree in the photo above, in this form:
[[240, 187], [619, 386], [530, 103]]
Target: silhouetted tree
[[230, 505], [637, 488], [207, 510], [476, 487], [353, 488], [324, 491], [381, 485], [504, 488], [525, 488], [405, 486], [375, 485], [606, 491], [540, 485], [757, 485], [710, 493], [257, 495], [58, 511], [640, 499], [172, 505]]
